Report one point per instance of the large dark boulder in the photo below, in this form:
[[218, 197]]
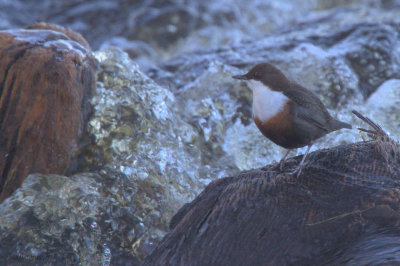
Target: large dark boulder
[[347, 198]]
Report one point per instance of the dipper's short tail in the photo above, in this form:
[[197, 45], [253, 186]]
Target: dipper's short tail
[[336, 124]]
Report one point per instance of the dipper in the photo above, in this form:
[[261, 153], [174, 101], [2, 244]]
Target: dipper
[[287, 113]]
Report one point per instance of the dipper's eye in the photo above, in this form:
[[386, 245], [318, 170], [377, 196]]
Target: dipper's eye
[[257, 75]]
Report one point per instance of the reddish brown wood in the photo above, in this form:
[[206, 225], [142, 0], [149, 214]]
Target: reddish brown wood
[[44, 87]]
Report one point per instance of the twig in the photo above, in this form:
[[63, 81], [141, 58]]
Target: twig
[[339, 216], [378, 131]]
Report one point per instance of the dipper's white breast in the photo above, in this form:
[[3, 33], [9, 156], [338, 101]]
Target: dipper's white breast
[[266, 102]]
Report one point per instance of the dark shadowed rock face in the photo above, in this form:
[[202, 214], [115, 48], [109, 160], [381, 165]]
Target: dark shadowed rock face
[[344, 208], [45, 80]]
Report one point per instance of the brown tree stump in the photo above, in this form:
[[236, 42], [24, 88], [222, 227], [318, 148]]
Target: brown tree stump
[[46, 78]]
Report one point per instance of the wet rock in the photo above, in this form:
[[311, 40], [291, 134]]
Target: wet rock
[[138, 133], [45, 81], [375, 61], [386, 103], [356, 58], [347, 197], [76, 220], [171, 27]]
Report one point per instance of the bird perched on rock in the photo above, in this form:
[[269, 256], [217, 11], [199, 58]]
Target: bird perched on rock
[[287, 113]]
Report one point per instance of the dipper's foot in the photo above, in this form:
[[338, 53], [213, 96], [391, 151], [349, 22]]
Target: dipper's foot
[[297, 171], [282, 164]]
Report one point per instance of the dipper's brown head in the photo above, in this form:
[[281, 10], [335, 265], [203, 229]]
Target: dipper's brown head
[[269, 75]]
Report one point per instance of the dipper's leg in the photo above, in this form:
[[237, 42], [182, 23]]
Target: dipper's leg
[[282, 161], [301, 165]]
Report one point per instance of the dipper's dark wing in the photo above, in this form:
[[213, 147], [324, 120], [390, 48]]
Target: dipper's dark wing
[[308, 107]]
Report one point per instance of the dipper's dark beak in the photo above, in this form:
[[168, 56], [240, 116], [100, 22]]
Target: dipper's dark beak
[[240, 77]]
